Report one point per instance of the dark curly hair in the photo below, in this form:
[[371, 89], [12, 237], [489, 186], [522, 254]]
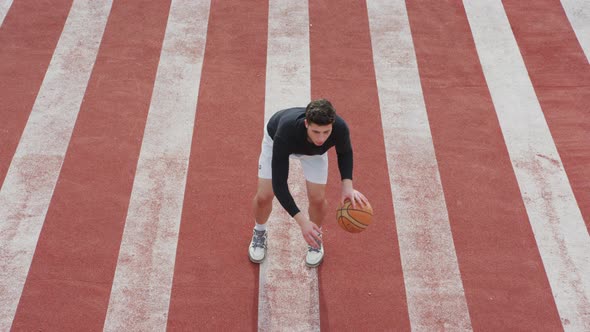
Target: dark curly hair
[[320, 112]]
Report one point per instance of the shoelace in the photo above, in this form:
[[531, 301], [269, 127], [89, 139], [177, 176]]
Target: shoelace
[[310, 248], [259, 239]]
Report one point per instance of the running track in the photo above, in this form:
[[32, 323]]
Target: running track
[[130, 134]]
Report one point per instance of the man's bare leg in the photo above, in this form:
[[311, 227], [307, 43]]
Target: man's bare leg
[[262, 207], [316, 194], [262, 203]]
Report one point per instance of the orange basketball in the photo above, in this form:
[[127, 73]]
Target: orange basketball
[[354, 220]]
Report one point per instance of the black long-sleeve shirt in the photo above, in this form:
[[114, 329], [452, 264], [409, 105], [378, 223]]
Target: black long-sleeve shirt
[[287, 129]]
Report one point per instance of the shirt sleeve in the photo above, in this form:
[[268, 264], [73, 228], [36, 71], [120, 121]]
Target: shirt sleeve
[[280, 174], [344, 153]]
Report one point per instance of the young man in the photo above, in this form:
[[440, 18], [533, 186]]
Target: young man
[[305, 134]]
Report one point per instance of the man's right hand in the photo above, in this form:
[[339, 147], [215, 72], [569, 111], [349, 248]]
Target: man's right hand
[[310, 231]]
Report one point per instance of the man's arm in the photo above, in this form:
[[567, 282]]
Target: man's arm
[[344, 151], [280, 174], [345, 166]]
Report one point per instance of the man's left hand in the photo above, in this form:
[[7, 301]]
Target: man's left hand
[[348, 192]]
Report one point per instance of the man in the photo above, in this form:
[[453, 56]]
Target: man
[[305, 134]]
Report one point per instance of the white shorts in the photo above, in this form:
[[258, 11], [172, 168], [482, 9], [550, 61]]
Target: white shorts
[[315, 168]]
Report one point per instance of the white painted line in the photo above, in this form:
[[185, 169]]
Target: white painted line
[[4, 7], [32, 175], [140, 294], [434, 289], [578, 13], [288, 297], [556, 220], [288, 70]]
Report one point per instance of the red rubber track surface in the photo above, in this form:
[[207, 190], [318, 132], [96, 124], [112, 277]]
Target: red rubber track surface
[[76, 255], [215, 285], [351, 278], [500, 265], [559, 72], [28, 36]]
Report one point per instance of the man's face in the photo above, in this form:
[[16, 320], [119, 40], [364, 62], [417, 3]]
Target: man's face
[[317, 134]]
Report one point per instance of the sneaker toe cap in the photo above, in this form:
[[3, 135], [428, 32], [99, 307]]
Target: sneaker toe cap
[[314, 258], [256, 254]]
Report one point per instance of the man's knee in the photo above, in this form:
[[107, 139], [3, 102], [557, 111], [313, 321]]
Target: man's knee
[[264, 198], [264, 194], [316, 197]]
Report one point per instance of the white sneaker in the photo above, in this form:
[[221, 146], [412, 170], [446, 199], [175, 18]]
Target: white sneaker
[[257, 250], [314, 256]]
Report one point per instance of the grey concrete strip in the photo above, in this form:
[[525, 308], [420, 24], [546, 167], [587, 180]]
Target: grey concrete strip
[[434, 289], [4, 7], [556, 220], [578, 13], [289, 297], [33, 173], [142, 285]]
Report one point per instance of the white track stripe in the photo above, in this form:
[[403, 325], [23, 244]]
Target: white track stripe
[[578, 13], [436, 299], [560, 232], [4, 7], [289, 297], [140, 294], [287, 68], [31, 178]]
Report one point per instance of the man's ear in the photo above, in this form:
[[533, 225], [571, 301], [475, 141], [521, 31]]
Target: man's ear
[[306, 125]]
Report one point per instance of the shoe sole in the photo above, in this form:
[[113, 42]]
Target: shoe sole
[[316, 264], [257, 261]]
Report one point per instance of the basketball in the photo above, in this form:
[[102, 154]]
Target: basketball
[[354, 220]]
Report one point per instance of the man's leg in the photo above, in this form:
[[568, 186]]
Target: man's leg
[[262, 203], [316, 195], [262, 206]]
